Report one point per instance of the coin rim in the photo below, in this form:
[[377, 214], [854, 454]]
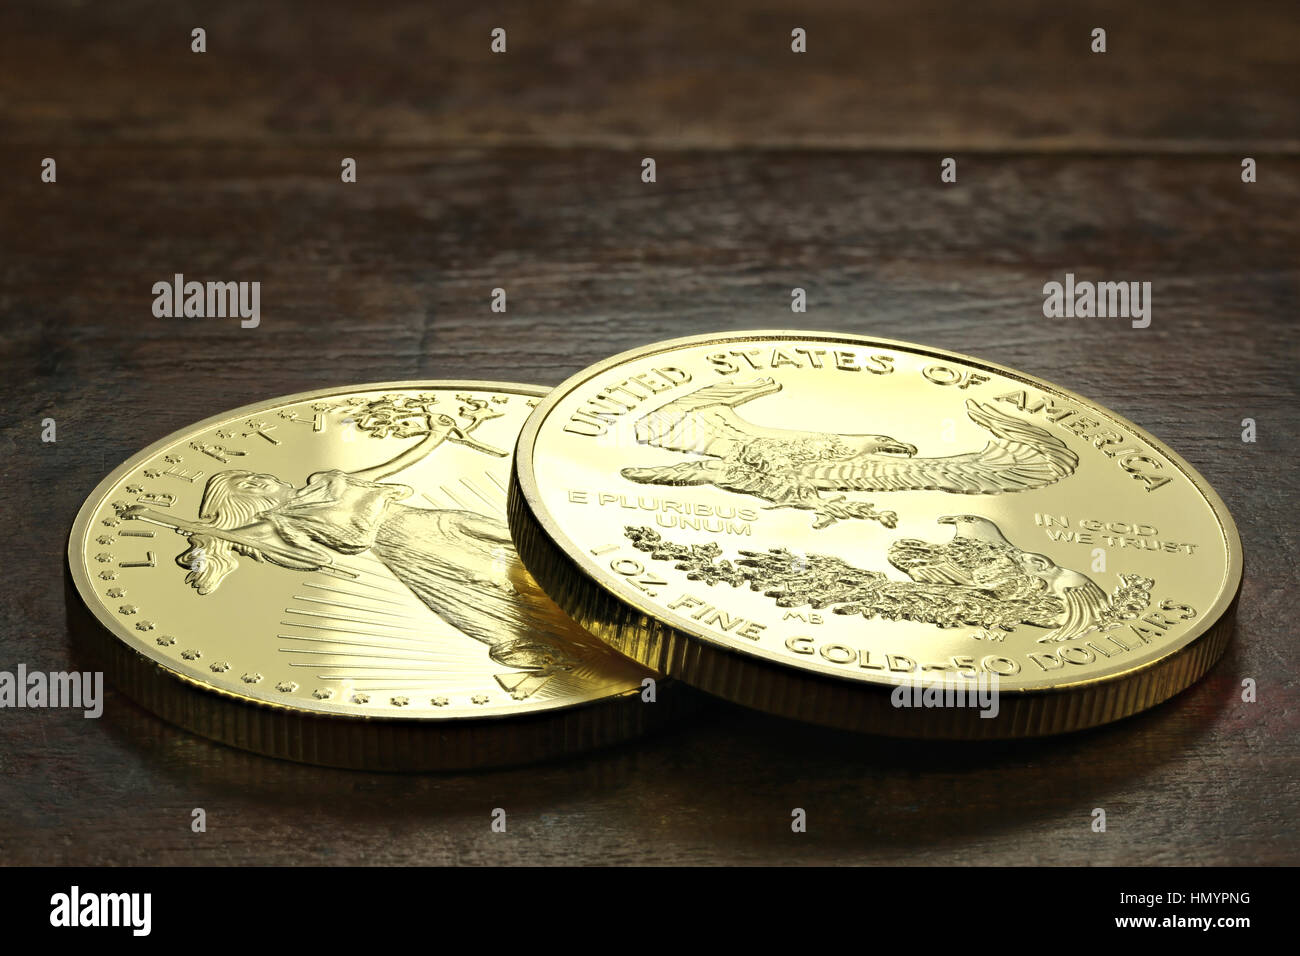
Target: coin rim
[[289, 730], [572, 583]]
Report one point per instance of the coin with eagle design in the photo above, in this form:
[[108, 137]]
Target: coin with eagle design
[[874, 535]]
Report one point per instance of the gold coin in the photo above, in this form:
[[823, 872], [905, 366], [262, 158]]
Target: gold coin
[[874, 535], [329, 577]]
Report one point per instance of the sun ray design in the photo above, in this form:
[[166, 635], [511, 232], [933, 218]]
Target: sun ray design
[[497, 481], [473, 488]]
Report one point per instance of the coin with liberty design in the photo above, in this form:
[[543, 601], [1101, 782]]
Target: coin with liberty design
[[329, 577]]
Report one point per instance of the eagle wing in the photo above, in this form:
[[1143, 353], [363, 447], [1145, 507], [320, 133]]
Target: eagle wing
[[929, 563], [941, 570], [1085, 603], [705, 421], [1020, 456]]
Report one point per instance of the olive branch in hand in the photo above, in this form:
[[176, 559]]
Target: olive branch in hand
[[411, 416]]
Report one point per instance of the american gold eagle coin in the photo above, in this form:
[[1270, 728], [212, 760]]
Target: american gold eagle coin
[[329, 577], [874, 535]]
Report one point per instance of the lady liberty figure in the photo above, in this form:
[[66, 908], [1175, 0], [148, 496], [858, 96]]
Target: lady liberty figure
[[450, 559]]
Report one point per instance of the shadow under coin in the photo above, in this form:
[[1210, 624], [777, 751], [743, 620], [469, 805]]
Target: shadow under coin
[[746, 771], [190, 760]]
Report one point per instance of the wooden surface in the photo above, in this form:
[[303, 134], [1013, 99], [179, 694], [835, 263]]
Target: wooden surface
[[775, 171]]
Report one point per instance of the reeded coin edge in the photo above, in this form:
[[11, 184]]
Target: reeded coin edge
[[373, 742], [835, 702], [344, 740], [642, 636]]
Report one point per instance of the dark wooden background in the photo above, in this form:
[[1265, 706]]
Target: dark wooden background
[[775, 170]]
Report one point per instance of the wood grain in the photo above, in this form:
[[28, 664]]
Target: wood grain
[[525, 175], [895, 74]]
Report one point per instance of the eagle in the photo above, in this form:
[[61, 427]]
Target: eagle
[[979, 557], [791, 468]]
